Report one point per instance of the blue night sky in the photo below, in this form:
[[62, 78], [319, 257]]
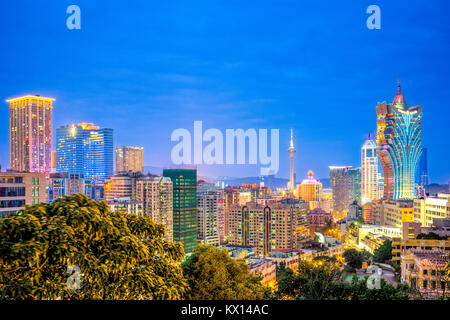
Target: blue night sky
[[146, 68]]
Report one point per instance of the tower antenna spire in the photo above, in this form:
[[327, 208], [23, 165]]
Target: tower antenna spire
[[399, 87]]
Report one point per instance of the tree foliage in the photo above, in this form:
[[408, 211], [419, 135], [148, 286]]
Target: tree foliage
[[431, 236], [121, 256], [213, 275], [318, 280], [384, 252], [353, 258]]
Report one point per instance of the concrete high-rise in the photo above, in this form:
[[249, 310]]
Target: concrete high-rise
[[399, 140], [346, 187], [156, 196], [85, 149], [184, 206], [30, 129], [208, 214], [369, 172], [291, 151], [129, 158]]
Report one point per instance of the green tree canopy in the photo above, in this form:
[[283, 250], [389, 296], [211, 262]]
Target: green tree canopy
[[319, 281], [121, 256], [213, 275], [353, 258], [384, 252], [431, 236]]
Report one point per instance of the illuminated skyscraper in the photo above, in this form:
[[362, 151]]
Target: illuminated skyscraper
[[310, 190], [369, 171], [30, 128], [184, 206], [129, 159], [85, 149], [399, 140], [291, 151]]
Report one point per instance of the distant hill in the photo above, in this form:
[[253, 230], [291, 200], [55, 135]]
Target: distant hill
[[153, 170], [436, 188], [269, 181]]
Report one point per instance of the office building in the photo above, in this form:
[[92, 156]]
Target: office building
[[184, 206], [85, 149], [369, 172], [129, 158], [30, 130], [399, 140]]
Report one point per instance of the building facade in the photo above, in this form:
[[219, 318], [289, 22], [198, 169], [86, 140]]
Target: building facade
[[18, 189], [129, 158], [184, 206], [269, 227], [208, 214], [369, 172], [85, 149], [31, 129], [64, 184], [310, 190], [399, 140], [156, 195], [429, 208], [346, 187]]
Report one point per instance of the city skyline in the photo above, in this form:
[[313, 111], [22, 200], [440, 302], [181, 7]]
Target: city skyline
[[149, 92]]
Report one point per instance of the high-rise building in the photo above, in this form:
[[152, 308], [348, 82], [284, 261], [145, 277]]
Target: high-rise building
[[399, 140], [346, 187], [184, 206], [30, 129], [291, 151], [85, 149], [268, 227], [369, 172], [156, 195], [129, 158], [122, 185], [208, 214], [310, 190]]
